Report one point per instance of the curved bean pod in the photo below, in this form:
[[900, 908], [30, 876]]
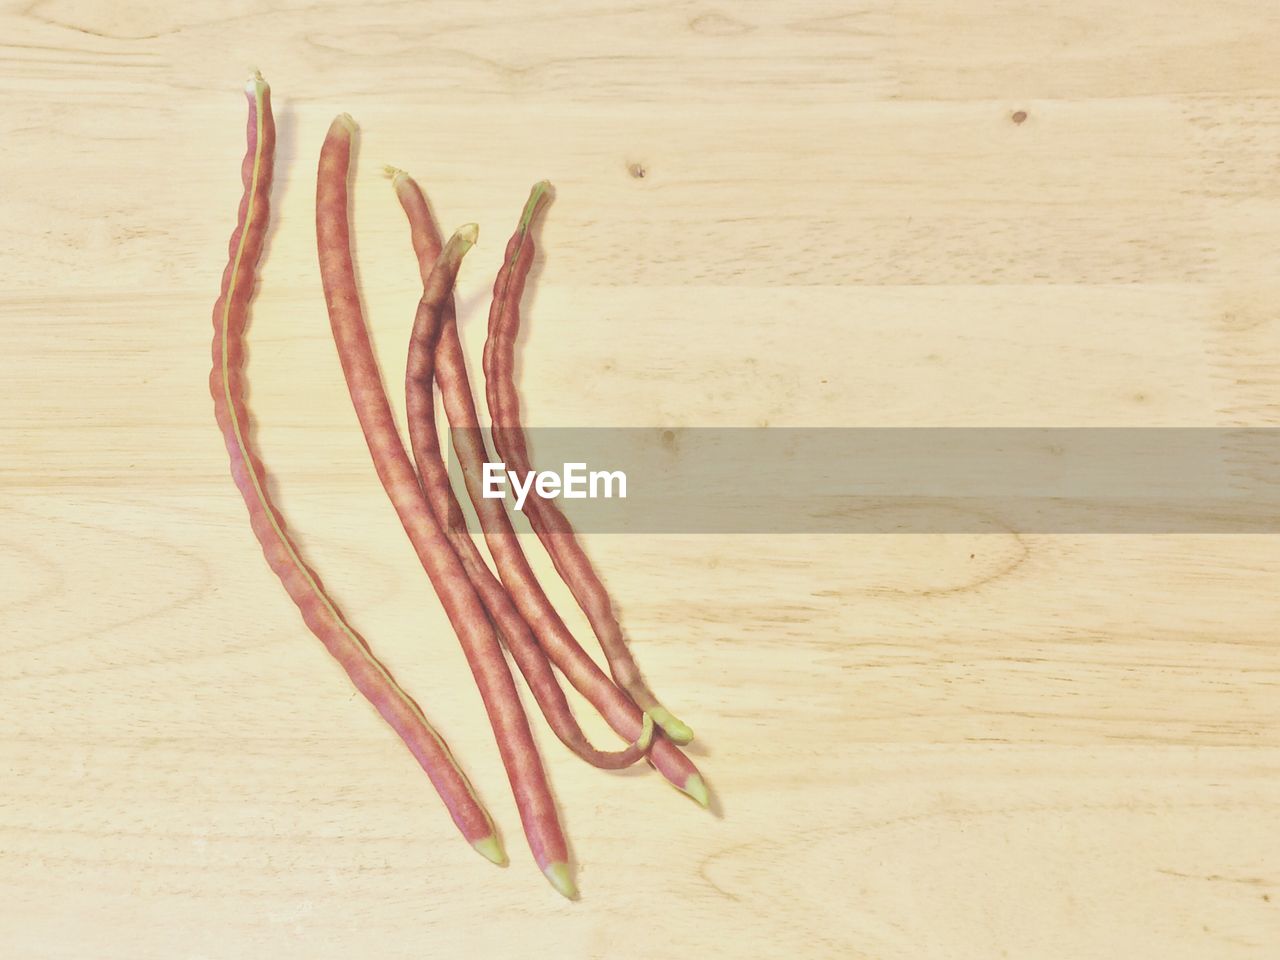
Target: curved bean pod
[[551, 526], [504, 545], [436, 302], [475, 633], [321, 614]]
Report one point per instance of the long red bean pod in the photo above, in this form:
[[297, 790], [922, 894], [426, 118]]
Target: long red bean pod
[[475, 633], [437, 299], [321, 614], [504, 545], [551, 526]]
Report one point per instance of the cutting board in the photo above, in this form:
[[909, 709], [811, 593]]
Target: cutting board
[[766, 215]]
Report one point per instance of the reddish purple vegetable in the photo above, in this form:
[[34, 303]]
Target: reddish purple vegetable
[[436, 302], [551, 526], [504, 545], [466, 613], [321, 614]]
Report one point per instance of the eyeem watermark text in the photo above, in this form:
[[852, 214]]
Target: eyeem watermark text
[[574, 482]]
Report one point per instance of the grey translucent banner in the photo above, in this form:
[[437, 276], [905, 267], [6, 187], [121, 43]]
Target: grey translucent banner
[[916, 480]]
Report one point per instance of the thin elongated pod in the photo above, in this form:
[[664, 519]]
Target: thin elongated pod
[[551, 526], [321, 614], [504, 545], [475, 633], [437, 299]]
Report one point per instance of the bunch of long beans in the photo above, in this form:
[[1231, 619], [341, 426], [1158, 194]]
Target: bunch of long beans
[[486, 611]]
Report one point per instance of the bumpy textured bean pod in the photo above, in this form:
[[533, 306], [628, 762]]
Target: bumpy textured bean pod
[[470, 621], [504, 545], [437, 299], [321, 614], [551, 526]]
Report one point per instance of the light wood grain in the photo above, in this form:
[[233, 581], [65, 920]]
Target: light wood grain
[[922, 747]]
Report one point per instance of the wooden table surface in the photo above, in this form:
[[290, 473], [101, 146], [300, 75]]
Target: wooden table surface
[[813, 214]]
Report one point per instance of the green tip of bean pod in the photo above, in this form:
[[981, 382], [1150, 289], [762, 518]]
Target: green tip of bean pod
[[645, 740], [561, 879], [696, 788], [464, 238], [541, 191], [671, 725], [491, 849]]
